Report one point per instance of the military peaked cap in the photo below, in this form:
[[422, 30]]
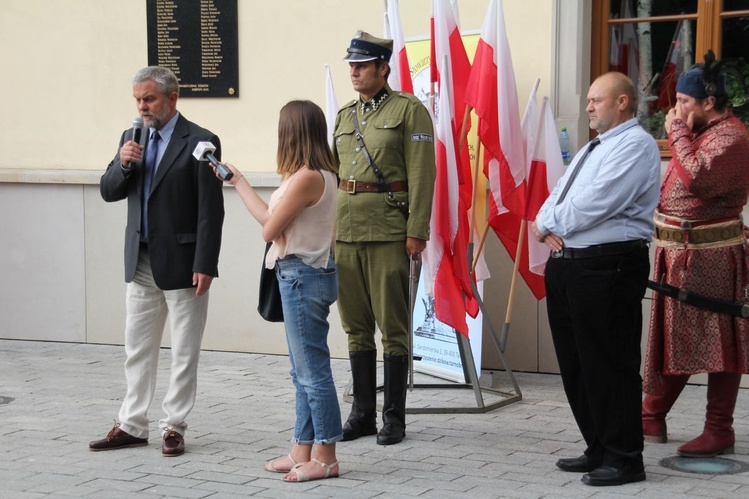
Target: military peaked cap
[[365, 47]]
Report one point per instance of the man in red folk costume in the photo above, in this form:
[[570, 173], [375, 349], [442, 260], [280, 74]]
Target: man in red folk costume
[[698, 322]]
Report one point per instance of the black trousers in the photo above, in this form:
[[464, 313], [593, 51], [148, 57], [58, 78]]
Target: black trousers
[[595, 314]]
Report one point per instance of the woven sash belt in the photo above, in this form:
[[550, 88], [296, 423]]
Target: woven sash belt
[[678, 233]]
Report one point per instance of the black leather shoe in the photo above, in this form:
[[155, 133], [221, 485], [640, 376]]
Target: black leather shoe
[[355, 429], [580, 464], [391, 434], [606, 475], [117, 439]]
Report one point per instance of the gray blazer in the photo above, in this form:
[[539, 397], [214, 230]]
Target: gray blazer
[[185, 208]]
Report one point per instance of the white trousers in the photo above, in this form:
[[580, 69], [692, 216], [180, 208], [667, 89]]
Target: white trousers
[[147, 309]]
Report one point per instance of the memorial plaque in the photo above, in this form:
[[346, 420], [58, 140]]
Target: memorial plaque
[[197, 39]]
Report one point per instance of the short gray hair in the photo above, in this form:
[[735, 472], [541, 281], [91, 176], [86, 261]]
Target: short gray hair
[[165, 79]]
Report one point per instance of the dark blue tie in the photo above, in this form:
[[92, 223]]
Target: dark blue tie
[[150, 167]]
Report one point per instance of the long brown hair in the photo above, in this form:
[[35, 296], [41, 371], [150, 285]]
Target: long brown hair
[[303, 139]]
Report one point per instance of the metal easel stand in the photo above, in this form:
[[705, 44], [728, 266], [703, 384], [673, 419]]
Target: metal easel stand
[[469, 369]]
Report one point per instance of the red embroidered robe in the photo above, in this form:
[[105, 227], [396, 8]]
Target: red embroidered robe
[[707, 179]]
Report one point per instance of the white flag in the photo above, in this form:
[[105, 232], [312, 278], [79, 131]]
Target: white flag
[[331, 105]]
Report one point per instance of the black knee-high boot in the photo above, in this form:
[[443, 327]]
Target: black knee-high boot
[[363, 418], [394, 408]]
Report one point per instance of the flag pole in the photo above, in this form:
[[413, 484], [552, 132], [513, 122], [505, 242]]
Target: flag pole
[[461, 143], [464, 127], [513, 284], [521, 241], [481, 246], [472, 225], [473, 203]]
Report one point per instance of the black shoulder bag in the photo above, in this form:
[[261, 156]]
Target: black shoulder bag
[[269, 302]]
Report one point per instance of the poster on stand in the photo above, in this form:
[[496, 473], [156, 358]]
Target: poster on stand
[[436, 344]]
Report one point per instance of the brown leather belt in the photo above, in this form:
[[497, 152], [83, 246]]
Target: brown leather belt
[[699, 235], [354, 186]]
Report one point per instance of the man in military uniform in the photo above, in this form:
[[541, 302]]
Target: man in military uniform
[[383, 142]]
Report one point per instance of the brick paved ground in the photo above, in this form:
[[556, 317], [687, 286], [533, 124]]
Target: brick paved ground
[[66, 394]]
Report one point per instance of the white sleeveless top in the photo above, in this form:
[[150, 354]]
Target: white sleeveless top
[[310, 235]]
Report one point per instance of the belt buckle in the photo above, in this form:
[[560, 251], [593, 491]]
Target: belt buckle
[[557, 254], [351, 186]]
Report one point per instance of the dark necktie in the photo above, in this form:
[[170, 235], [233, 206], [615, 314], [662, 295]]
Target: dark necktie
[[593, 144], [149, 168]]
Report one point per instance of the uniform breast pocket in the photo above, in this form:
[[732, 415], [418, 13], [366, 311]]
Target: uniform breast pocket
[[386, 133], [344, 137]]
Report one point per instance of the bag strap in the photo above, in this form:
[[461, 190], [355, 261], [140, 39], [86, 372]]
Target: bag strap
[[380, 177], [367, 157]]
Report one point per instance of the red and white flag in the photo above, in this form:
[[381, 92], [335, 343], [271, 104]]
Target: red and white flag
[[445, 258], [546, 169], [529, 126], [492, 93], [400, 71], [507, 225], [447, 43], [456, 13], [331, 105]]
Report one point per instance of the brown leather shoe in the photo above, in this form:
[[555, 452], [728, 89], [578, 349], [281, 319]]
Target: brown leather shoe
[[117, 439], [174, 444]]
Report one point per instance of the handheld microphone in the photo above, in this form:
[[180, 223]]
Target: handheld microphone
[[204, 152], [137, 129]]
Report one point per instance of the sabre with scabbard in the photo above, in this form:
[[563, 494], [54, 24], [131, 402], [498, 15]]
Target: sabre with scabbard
[[413, 285]]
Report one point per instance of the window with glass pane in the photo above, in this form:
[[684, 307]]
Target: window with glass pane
[[652, 53], [733, 5], [735, 55], [653, 41]]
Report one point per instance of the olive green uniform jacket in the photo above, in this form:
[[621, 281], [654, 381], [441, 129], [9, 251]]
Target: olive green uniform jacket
[[399, 138]]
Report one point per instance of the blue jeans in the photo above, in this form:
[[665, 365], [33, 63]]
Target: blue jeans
[[306, 294]]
